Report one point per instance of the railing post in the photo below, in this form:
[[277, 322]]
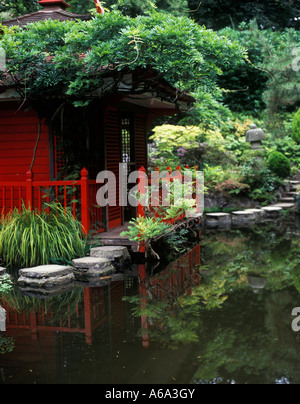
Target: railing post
[[85, 203], [29, 193]]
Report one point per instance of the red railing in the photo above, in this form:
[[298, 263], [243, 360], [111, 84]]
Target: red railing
[[145, 181], [79, 196]]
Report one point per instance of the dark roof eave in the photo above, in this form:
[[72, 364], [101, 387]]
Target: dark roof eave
[[60, 15]]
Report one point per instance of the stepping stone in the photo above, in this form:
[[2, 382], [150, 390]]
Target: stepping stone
[[218, 220], [93, 266], [273, 212], [258, 213], [284, 205], [287, 200], [295, 186], [118, 255], [243, 217], [46, 277]]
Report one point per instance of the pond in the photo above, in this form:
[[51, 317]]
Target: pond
[[221, 314]]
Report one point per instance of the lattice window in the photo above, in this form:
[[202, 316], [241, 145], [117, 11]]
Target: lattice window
[[59, 156], [126, 139]]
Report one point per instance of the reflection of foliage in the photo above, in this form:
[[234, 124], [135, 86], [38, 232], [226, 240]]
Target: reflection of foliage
[[5, 284], [7, 344], [238, 336], [62, 306]]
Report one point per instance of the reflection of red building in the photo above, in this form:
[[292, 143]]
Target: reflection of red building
[[42, 337], [178, 278]]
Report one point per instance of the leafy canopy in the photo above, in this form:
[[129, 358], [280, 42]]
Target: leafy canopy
[[78, 57]]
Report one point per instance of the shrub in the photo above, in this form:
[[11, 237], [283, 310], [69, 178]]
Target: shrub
[[279, 164], [232, 186], [296, 127], [28, 238]]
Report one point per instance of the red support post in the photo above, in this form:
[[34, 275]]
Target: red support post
[[29, 193], [85, 203], [141, 209]]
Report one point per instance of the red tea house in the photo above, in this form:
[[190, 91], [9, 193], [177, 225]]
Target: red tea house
[[43, 159]]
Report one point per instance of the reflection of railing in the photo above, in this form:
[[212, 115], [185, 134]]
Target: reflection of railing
[[79, 196], [86, 317]]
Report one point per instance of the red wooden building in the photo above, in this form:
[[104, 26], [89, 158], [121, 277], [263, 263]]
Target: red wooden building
[[112, 130]]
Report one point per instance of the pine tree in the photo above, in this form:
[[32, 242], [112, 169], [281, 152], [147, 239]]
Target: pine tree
[[282, 92]]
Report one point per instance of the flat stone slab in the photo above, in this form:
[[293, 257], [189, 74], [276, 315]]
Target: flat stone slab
[[218, 220], [217, 215], [46, 277], [118, 254], [284, 205], [46, 271], [243, 213], [287, 200], [255, 211], [273, 211], [91, 263]]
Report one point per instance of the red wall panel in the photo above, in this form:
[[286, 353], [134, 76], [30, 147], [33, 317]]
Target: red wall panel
[[18, 136]]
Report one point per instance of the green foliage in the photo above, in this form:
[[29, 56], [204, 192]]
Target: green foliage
[[159, 221], [279, 164], [28, 238], [7, 344], [50, 57], [296, 127], [19, 7], [6, 284], [274, 14], [262, 181]]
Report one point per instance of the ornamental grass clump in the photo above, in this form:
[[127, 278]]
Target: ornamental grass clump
[[29, 238]]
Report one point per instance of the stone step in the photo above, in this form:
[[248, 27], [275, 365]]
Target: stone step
[[284, 205], [46, 277], [93, 266], [46, 271], [118, 255], [291, 194], [286, 200], [219, 220], [273, 212], [243, 217]]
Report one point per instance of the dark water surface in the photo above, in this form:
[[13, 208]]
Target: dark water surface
[[220, 314]]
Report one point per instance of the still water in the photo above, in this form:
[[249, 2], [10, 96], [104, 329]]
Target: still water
[[221, 314]]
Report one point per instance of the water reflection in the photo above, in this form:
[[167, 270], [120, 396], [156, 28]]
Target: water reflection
[[219, 314]]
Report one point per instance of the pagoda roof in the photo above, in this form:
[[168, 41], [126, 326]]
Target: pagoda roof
[[52, 9]]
